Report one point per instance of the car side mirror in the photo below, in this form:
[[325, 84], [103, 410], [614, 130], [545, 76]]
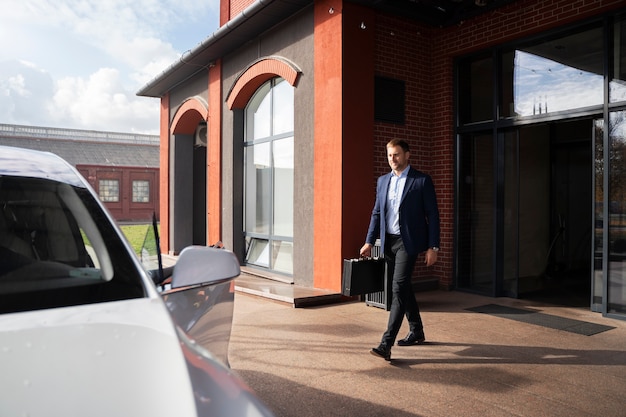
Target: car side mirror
[[204, 265], [195, 265]]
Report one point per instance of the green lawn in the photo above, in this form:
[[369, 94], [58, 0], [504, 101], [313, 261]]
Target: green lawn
[[135, 233]]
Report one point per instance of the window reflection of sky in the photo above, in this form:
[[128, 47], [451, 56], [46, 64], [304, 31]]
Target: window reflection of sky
[[617, 90], [543, 85]]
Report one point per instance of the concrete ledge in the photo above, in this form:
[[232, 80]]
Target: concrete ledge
[[287, 293]]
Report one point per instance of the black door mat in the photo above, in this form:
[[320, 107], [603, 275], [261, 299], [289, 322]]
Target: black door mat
[[540, 319]]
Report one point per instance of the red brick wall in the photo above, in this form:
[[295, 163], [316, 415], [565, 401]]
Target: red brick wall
[[237, 6], [125, 209], [423, 57], [404, 51]]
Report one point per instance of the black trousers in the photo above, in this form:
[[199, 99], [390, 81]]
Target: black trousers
[[400, 267]]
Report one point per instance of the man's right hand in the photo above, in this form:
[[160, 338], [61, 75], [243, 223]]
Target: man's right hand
[[366, 251]]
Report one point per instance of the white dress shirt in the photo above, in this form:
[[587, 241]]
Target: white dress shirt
[[394, 196]]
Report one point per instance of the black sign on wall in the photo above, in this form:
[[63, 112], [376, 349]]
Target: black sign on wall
[[389, 100]]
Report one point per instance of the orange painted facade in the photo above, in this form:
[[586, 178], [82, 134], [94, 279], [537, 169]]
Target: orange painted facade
[[214, 158], [328, 147], [164, 174]]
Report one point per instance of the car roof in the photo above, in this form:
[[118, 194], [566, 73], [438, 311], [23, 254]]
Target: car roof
[[22, 162]]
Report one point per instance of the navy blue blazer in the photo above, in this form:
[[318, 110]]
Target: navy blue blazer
[[419, 213]]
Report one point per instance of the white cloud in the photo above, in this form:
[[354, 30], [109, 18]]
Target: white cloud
[[24, 91], [101, 103], [16, 84], [88, 58]]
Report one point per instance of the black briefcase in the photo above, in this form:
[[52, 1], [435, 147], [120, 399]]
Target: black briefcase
[[362, 276]]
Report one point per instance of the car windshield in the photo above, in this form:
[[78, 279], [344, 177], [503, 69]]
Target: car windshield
[[58, 248]]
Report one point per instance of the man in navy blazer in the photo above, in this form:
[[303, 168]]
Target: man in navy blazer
[[406, 219]]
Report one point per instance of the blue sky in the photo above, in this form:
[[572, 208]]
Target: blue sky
[[560, 87], [79, 63]]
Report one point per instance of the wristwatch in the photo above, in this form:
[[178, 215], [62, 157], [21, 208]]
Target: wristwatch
[[435, 248]]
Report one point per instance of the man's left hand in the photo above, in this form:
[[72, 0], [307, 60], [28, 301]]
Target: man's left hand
[[430, 258]]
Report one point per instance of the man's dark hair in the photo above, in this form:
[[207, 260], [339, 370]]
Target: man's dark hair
[[398, 142]]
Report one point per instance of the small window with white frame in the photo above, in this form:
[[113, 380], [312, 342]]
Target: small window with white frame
[[109, 191], [141, 191]]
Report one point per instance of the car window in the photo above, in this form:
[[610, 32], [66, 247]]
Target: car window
[[58, 248]]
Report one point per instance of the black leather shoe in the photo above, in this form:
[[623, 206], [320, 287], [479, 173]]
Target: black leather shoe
[[382, 351], [412, 339]]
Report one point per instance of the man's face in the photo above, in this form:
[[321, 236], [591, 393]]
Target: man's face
[[397, 158]]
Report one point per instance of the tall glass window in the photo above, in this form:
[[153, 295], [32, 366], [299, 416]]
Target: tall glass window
[[554, 75], [476, 213], [617, 214], [511, 221], [476, 104], [598, 206], [617, 86], [269, 173]]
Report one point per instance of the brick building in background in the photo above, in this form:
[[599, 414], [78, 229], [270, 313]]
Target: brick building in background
[[123, 168], [515, 108]]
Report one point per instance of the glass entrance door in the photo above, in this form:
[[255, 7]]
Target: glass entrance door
[[476, 211], [525, 218], [526, 208], [610, 225]]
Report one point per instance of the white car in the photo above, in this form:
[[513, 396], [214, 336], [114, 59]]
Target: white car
[[85, 328]]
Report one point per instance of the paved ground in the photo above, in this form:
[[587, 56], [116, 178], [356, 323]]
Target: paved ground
[[315, 361]]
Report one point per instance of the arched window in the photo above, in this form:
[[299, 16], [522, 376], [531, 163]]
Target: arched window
[[269, 168]]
